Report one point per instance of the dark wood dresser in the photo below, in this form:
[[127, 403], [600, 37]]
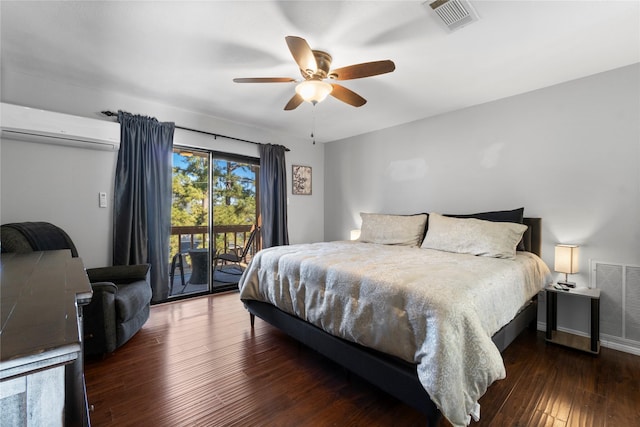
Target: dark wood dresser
[[41, 359]]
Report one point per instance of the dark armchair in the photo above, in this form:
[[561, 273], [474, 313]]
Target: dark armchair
[[121, 294]]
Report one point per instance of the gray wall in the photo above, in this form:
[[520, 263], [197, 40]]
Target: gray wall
[[568, 153], [41, 182]]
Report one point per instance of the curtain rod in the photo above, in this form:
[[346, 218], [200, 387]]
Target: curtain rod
[[215, 135]]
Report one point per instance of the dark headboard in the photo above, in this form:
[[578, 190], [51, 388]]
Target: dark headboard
[[533, 236]]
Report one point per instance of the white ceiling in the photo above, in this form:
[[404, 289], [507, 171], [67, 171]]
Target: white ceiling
[[185, 54]]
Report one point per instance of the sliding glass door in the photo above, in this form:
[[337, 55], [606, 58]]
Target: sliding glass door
[[205, 182], [235, 215], [189, 252]]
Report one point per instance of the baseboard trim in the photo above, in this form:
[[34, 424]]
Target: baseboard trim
[[614, 343]]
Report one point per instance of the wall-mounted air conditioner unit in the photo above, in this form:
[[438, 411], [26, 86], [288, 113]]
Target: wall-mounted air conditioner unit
[[34, 125]]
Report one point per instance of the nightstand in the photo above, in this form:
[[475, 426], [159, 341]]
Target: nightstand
[[590, 344]]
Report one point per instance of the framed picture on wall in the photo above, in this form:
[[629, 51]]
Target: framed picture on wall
[[301, 181]]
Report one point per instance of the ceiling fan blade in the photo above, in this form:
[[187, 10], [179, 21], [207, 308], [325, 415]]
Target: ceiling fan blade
[[347, 95], [264, 80], [294, 102], [359, 71], [302, 53]]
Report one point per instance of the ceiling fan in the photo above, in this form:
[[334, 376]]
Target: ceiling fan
[[315, 68]]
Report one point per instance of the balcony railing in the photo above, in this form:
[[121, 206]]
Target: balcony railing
[[227, 237]]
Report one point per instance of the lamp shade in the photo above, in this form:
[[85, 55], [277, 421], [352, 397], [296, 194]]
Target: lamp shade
[[313, 91], [566, 259], [355, 234]]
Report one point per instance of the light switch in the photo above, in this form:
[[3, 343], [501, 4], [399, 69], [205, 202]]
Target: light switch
[[102, 200]]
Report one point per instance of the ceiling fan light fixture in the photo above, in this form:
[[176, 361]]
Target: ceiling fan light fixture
[[313, 91]]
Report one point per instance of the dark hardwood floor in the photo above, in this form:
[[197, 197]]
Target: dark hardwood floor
[[198, 363]]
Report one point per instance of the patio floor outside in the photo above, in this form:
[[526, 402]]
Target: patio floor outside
[[225, 278]]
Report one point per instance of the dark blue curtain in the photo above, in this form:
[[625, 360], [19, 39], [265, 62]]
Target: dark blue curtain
[[142, 206], [273, 196]]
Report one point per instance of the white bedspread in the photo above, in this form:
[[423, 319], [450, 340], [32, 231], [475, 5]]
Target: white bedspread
[[436, 309]]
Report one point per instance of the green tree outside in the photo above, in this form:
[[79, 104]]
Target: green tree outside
[[234, 195]]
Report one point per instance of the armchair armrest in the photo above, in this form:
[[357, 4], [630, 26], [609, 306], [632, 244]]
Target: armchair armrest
[[119, 274], [100, 319], [106, 287]]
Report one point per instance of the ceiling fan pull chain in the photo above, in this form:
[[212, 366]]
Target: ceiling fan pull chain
[[313, 126]]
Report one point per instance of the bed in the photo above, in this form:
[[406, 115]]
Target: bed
[[424, 324]]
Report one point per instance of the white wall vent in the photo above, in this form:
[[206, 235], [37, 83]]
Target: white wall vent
[[454, 14], [619, 301], [34, 125]]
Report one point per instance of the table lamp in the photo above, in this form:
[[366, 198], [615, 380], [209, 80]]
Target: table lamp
[[566, 261]]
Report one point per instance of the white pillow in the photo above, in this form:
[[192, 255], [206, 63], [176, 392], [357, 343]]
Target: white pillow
[[405, 230], [473, 236]]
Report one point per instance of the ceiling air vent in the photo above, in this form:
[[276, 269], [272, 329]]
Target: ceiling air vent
[[454, 14]]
